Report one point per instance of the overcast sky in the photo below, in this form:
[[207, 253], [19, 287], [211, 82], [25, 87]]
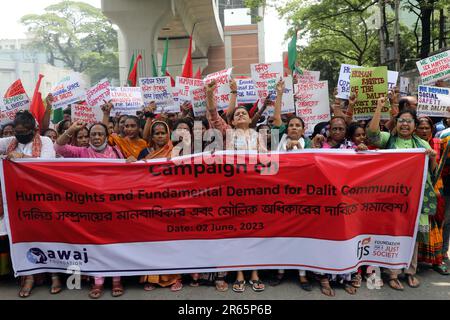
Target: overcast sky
[[12, 11]]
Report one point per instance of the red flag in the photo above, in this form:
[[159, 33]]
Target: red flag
[[172, 82], [253, 110], [37, 105], [132, 78], [187, 69], [286, 65], [198, 75], [15, 89]]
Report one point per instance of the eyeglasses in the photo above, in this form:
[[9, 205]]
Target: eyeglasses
[[408, 121]]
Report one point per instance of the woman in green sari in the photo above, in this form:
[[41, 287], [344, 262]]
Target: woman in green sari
[[405, 138]]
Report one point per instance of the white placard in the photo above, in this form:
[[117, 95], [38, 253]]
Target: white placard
[[98, 93], [86, 113], [222, 92], [10, 106], [287, 103], [246, 90], [159, 90], [434, 68], [266, 76], [312, 104], [126, 100], [68, 90], [308, 76], [199, 102], [433, 101]]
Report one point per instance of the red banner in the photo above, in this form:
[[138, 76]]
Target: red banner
[[329, 197]]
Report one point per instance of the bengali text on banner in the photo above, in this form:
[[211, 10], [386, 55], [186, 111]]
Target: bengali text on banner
[[324, 211]]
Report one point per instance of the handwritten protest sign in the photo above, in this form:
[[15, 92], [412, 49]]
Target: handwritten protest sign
[[246, 90], [188, 83], [98, 93], [180, 96], [10, 106], [15, 89], [308, 76], [86, 113], [287, 103], [369, 84], [266, 76], [68, 90], [159, 90], [182, 91], [222, 92], [126, 100], [434, 68], [433, 101], [312, 103], [344, 80], [199, 102]]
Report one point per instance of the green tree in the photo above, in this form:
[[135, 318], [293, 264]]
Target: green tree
[[340, 31], [79, 35], [337, 32], [431, 15]]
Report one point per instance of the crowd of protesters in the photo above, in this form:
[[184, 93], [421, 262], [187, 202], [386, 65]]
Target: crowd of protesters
[[151, 136]]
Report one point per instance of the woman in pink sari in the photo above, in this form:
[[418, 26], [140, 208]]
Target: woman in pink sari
[[98, 143], [98, 148]]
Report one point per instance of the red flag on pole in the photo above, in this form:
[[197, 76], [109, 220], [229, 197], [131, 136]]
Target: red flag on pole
[[198, 75], [37, 108], [253, 109], [132, 77], [172, 82], [286, 65], [15, 89], [187, 69]]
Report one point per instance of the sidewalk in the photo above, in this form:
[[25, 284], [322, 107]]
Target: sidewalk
[[433, 287]]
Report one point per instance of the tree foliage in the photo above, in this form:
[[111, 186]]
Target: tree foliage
[[341, 31], [77, 34], [338, 32]]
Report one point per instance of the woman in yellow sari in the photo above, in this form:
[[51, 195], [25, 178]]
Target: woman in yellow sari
[[159, 146], [131, 144]]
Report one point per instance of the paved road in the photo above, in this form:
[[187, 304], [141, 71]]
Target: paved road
[[433, 287]]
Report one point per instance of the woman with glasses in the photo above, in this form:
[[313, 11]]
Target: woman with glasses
[[405, 138], [27, 143]]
